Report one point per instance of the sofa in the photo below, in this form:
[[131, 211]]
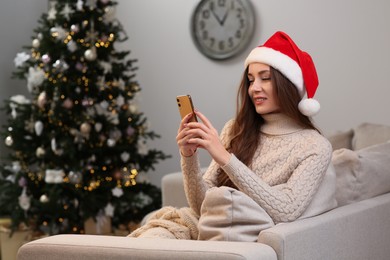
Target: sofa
[[358, 228]]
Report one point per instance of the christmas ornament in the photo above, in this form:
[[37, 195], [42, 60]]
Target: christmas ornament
[[109, 210], [51, 14], [46, 58], [98, 127], [9, 141], [142, 148], [54, 176], [75, 28], [72, 46], [38, 126], [40, 152], [20, 59], [67, 11], [125, 156], [15, 102], [109, 13], [35, 78], [90, 54], [54, 147], [58, 33], [16, 167], [68, 103], [111, 142], [44, 198], [41, 100], [74, 177], [79, 5], [85, 128], [117, 192], [36, 43], [61, 65], [24, 200], [130, 131], [22, 182]]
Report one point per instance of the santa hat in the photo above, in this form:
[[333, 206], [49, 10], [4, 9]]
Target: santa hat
[[281, 53]]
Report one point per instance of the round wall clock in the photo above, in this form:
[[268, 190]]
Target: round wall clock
[[222, 28]]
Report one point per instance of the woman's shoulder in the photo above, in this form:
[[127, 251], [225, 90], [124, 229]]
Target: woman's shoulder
[[316, 140]]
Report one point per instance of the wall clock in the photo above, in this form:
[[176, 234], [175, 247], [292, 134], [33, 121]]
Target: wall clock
[[222, 28]]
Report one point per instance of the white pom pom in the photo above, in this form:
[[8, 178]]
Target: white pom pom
[[309, 107]]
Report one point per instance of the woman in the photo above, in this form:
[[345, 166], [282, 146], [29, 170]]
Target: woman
[[271, 151], [271, 154]]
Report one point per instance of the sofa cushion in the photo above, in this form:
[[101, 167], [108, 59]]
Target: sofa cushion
[[230, 215], [361, 174], [341, 140], [368, 134], [325, 198]]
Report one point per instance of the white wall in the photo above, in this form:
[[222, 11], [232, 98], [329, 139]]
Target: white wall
[[349, 41]]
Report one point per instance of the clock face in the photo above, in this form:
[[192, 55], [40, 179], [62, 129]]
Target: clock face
[[222, 28]]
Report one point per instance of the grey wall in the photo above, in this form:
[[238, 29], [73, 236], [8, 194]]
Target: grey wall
[[349, 41]]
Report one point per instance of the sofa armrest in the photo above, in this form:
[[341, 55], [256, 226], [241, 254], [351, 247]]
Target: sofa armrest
[[172, 190], [356, 231], [92, 247]]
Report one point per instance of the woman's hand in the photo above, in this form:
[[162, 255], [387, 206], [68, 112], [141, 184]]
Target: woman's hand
[[203, 135], [186, 149]]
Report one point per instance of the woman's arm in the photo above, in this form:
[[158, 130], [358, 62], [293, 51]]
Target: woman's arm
[[287, 201]]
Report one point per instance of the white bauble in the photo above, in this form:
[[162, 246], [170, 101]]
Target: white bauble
[[36, 43], [90, 54]]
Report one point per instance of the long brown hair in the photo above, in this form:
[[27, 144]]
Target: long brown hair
[[245, 132]]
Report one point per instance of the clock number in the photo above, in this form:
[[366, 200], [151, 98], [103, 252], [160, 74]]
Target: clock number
[[230, 42], [212, 41], [221, 45], [221, 3], [242, 23], [202, 24], [239, 11], [206, 14], [205, 35], [238, 34]]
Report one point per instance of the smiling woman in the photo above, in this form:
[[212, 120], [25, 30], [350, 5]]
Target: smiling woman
[[222, 28], [252, 167]]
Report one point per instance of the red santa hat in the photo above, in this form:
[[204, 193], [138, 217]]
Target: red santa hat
[[281, 53]]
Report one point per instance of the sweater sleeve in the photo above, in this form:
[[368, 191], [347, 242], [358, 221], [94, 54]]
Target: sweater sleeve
[[287, 201], [195, 183]]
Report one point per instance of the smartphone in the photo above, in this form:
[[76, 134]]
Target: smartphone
[[186, 107]]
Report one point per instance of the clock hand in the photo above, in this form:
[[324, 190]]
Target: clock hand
[[216, 17], [224, 17]]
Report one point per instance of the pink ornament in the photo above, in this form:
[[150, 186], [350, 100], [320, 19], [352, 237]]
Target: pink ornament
[[68, 103], [41, 101], [46, 58]]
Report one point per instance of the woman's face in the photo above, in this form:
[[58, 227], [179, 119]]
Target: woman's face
[[261, 90]]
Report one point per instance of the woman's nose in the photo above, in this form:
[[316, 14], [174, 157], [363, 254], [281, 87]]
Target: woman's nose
[[257, 86]]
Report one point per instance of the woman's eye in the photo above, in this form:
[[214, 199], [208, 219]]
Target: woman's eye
[[265, 78]]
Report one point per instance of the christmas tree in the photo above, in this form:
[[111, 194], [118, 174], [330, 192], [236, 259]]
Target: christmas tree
[[78, 142]]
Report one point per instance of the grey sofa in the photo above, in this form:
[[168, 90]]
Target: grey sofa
[[359, 228]]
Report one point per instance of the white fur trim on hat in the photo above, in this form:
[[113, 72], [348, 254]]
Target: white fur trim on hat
[[287, 66], [309, 106]]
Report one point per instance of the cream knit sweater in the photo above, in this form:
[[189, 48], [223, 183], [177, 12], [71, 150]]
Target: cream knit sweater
[[286, 171]]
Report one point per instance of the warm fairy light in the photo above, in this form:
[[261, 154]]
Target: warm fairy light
[[60, 220], [92, 171], [44, 223], [104, 168]]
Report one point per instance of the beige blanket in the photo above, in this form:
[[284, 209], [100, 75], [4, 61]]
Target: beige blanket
[[170, 222]]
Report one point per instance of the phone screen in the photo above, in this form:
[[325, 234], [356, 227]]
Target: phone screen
[[186, 107]]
